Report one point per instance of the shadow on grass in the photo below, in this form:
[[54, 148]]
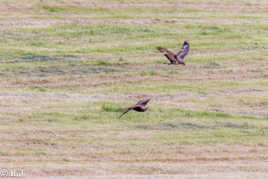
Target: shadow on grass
[[58, 70], [107, 107], [29, 57]]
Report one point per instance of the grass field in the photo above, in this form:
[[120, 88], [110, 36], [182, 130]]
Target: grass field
[[69, 67]]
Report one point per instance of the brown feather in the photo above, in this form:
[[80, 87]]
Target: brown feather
[[168, 54]]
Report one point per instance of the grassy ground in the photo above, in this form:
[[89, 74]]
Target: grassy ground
[[68, 67]]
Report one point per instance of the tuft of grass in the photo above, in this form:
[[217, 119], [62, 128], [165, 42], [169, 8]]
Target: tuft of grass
[[40, 89], [53, 8], [109, 107], [102, 62], [66, 160]]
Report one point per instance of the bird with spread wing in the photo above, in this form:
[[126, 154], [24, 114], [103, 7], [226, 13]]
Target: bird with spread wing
[[176, 59], [139, 107]]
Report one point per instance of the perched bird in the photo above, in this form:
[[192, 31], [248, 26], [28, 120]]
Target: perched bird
[[176, 59], [139, 107]]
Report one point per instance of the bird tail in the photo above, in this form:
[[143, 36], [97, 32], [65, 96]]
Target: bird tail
[[161, 49], [128, 109]]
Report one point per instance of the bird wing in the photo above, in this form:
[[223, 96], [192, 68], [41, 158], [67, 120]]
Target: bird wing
[[182, 53], [143, 102], [170, 55], [128, 109]]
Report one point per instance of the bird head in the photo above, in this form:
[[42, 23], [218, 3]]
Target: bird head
[[185, 43]]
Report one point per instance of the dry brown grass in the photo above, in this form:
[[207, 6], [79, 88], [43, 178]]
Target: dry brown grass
[[64, 78]]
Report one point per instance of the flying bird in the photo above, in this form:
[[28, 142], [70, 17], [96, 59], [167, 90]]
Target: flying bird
[[176, 59], [139, 107]]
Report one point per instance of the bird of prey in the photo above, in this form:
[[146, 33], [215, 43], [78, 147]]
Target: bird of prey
[[176, 59], [139, 107]]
